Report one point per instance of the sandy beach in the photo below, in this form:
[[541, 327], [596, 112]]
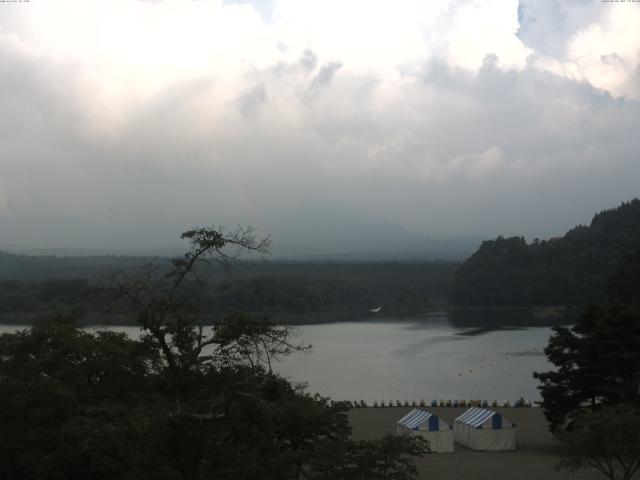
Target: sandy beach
[[533, 460]]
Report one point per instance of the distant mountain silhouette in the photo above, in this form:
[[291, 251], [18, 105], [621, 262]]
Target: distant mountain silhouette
[[569, 270]]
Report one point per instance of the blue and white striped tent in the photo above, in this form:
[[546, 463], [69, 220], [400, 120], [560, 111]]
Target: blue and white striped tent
[[427, 425], [476, 418], [482, 429]]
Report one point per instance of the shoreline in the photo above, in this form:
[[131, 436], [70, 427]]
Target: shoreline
[[534, 458], [459, 315]]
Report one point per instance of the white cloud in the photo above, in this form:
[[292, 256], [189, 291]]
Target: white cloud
[[608, 53], [423, 114], [485, 27], [594, 43]]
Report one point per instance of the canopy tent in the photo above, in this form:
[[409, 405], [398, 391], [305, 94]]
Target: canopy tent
[[482, 429], [427, 425]]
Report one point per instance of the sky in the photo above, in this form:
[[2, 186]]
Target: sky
[[332, 125]]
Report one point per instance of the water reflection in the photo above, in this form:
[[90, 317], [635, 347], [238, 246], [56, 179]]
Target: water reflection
[[490, 319], [478, 321], [482, 330]]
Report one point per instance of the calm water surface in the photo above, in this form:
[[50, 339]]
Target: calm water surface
[[413, 360], [423, 358]]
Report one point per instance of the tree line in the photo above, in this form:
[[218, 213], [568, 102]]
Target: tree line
[[591, 398], [571, 270], [295, 292]]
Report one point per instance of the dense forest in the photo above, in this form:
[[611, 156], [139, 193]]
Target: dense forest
[[567, 271], [296, 292], [572, 270]]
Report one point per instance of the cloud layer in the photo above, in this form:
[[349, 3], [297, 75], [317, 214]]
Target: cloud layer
[[130, 120]]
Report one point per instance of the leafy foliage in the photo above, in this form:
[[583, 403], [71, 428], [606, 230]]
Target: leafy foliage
[[598, 360], [571, 270], [607, 439], [369, 460], [182, 402]]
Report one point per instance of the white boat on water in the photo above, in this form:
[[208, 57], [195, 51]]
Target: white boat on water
[[375, 310]]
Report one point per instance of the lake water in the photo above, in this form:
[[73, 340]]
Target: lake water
[[421, 358]]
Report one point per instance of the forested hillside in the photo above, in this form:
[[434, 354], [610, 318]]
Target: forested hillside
[[293, 291], [572, 270]]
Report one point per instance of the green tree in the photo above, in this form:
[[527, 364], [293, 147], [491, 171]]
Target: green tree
[[570, 270], [598, 360], [183, 401], [607, 439], [71, 402]]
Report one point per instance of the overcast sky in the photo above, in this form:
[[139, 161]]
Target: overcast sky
[[124, 122]]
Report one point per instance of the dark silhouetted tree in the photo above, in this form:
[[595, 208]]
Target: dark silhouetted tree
[[598, 360], [183, 401], [607, 439]]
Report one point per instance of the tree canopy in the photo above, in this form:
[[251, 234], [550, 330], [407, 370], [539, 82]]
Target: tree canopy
[[598, 360], [607, 439], [570, 270], [182, 401], [297, 292]]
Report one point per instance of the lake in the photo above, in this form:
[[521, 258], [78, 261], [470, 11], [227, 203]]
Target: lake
[[419, 359], [411, 359]]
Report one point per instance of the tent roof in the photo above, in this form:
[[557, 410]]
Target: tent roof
[[475, 416], [415, 418]]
